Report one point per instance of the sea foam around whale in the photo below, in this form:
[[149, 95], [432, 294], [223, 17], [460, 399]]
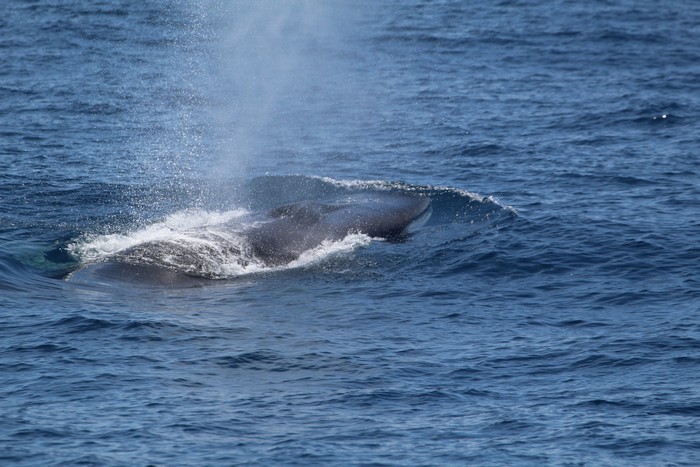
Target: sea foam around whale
[[201, 243]]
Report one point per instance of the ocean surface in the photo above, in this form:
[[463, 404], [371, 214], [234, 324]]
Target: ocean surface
[[548, 312]]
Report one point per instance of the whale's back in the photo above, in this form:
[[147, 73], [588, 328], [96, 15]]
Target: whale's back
[[276, 238], [301, 226]]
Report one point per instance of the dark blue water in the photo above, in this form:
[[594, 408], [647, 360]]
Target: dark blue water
[[547, 313]]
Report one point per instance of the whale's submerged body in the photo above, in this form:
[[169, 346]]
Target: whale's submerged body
[[272, 239]]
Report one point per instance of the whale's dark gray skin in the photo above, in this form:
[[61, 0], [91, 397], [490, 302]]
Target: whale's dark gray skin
[[275, 238], [111, 271], [301, 226]]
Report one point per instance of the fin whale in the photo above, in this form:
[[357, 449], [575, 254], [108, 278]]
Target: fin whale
[[274, 238]]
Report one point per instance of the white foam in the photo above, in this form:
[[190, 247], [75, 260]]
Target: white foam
[[177, 227], [498, 202], [201, 243], [330, 248]]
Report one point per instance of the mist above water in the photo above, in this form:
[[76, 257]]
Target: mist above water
[[275, 79]]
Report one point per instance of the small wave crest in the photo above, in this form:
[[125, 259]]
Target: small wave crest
[[428, 190]]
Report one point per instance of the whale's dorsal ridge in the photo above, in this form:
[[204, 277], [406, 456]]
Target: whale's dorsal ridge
[[304, 212]]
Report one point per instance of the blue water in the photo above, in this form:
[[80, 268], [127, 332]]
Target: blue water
[[547, 313]]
